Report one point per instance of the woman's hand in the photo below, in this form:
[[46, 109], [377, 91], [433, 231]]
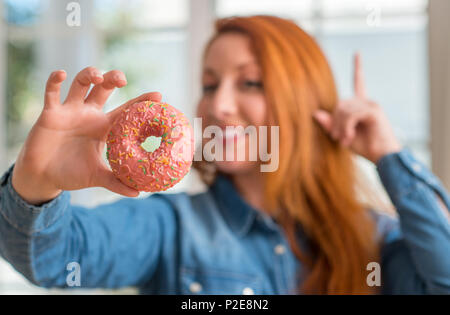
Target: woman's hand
[[64, 148], [359, 123]]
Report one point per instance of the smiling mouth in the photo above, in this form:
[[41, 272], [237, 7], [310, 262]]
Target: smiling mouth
[[231, 135]]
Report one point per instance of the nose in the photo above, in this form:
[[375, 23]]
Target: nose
[[224, 103]]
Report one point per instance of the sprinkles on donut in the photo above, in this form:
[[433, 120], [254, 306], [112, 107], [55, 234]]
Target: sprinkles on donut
[[130, 146]]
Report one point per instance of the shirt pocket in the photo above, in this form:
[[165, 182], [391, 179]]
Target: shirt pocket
[[219, 281]]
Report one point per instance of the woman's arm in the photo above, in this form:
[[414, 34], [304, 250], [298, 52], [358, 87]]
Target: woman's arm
[[416, 257], [40, 232], [115, 245]]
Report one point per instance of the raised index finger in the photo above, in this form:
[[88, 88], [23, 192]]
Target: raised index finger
[[358, 77]]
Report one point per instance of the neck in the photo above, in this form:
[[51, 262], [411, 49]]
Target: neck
[[251, 187]]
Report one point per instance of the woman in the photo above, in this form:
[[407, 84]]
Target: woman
[[300, 229]]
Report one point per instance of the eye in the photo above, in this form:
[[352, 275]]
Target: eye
[[208, 88], [249, 84]]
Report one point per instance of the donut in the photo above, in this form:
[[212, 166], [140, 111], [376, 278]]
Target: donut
[[131, 142]]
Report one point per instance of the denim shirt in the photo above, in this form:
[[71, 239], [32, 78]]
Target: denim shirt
[[214, 242]]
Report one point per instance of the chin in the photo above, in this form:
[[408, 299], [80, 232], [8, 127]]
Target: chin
[[236, 167]]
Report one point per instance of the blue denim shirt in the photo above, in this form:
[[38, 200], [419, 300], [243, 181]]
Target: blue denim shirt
[[214, 242]]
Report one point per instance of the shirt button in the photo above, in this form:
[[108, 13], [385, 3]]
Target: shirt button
[[279, 249], [248, 291], [195, 287]]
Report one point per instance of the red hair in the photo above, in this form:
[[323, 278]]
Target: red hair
[[314, 186]]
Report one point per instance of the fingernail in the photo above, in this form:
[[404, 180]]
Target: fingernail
[[119, 78], [57, 72]]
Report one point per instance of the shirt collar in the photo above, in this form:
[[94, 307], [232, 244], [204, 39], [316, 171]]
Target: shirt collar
[[240, 215], [236, 211]]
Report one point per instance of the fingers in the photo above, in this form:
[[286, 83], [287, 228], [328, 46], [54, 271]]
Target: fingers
[[107, 180], [342, 124], [325, 119], [53, 88], [358, 77], [81, 84], [347, 132], [100, 92], [151, 96]]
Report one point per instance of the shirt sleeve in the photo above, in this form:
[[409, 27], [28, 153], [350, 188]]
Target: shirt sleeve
[[113, 245], [416, 255]]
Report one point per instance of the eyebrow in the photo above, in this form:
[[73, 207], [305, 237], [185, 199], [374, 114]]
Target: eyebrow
[[238, 67]]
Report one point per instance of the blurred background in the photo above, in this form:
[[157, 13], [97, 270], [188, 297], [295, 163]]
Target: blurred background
[[158, 44]]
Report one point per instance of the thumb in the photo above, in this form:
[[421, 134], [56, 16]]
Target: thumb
[[108, 180], [324, 118]]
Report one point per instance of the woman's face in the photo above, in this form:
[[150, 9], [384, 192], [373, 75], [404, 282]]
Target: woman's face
[[232, 96]]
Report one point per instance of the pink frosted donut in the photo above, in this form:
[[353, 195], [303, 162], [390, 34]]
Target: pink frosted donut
[[130, 159]]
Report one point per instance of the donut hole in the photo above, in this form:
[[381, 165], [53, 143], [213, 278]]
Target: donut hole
[[150, 144]]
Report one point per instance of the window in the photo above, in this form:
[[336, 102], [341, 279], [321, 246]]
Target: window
[[390, 35], [155, 43], [146, 39], [392, 39]]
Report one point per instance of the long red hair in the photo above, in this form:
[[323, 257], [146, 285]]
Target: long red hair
[[314, 186]]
